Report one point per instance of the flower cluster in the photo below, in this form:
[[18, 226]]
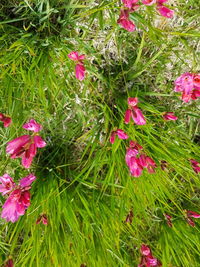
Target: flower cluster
[[18, 196], [137, 161], [79, 68], [25, 146], [132, 5], [147, 258], [189, 85], [195, 165]]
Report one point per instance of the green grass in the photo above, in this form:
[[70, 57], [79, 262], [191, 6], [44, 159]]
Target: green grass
[[83, 184]]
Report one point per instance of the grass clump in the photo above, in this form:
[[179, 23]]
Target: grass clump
[[83, 184]]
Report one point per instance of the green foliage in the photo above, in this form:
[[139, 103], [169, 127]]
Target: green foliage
[[83, 184]]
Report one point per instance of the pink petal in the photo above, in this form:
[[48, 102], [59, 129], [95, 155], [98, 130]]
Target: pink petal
[[148, 2], [32, 125], [145, 250], [138, 117], [7, 184], [73, 55], [169, 116], [80, 72], [26, 162], [165, 12], [193, 214], [186, 97], [135, 167], [121, 134], [127, 116], [39, 142], [127, 24], [17, 143], [160, 2], [81, 57], [196, 81], [129, 154], [27, 181], [132, 101]]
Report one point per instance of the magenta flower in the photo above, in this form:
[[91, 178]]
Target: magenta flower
[[120, 133], [125, 22], [79, 68], [42, 218], [7, 184], [169, 219], [129, 217], [165, 11], [192, 214], [195, 165], [148, 2], [134, 112], [18, 200], [189, 85], [147, 162], [25, 146], [169, 116], [9, 263], [6, 120], [131, 5], [147, 258]]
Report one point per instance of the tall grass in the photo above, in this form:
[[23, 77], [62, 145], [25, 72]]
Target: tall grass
[[83, 184]]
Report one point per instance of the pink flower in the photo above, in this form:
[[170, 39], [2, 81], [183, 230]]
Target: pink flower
[[42, 218], [7, 184], [25, 146], [148, 2], [169, 219], [169, 116], [33, 126], [125, 22], [134, 112], [120, 133], [147, 162], [192, 214], [165, 11], [18, 200], [195, 165], [186, 84], [135, 167], [147, 258], [6, 120], [129, 3], [79, 68]]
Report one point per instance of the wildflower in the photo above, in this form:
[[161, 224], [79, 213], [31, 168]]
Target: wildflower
[[131, 5], [6, 120], [42, 218], [147, 258], [25, 146], [163, 10], [120, 133], [129, 217], [148, 163], [169, 116], [79, 68], [169, 219], [134, 112], [191, 214], [18, 200], [189, 85], [9, 263], [125, 22], [195, 165]]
